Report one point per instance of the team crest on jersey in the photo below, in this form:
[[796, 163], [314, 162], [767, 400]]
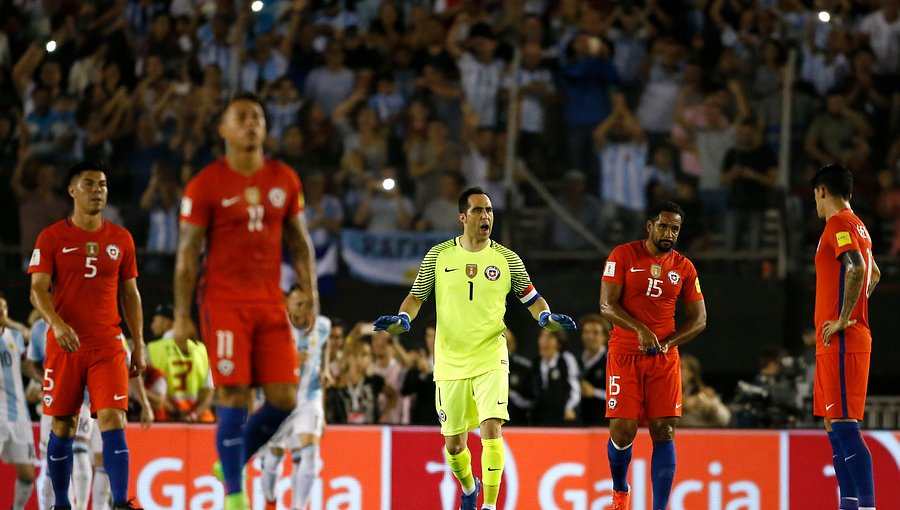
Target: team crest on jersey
[[252, 195], [492, 273], [48, 400], [225, 367], [277, 196], [442, 416], [613, 403], [471, 270], [674, 277], [92, 249], [656, 270], [113, 252]]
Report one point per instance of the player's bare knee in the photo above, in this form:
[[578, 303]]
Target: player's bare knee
[[623, 432], [111, 419], [282, 396], [456, 444], [491, 428], [64, 426], [233, 396], [662, 430]]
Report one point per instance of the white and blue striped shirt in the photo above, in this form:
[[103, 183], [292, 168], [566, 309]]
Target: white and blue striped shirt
[[823, 75], [623, 174], [281, 116], [37, 348], [310, 388], [481, 83], [532, 112], [163, 235], [222, 55], [12, 393]]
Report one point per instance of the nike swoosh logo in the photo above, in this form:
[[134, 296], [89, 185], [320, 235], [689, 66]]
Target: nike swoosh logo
[[69, 250], [119, 397], [500, 403], [117, 452], [677, 406], [228, 202], [231, 442], [57, 459], [493, 469], [850, 457], [829, 406], [447, 269], [634, 270]]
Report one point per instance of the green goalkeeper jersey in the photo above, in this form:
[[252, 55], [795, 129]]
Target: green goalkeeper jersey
[[470, 291]]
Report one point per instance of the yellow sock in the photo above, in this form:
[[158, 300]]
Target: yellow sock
[[461, 465], [492, 460]]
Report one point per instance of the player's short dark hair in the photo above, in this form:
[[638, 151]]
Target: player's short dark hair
[[464, 197], [661, 207], [560, 336], [85, 166], [164, 310], [836, 179], [245, 96]]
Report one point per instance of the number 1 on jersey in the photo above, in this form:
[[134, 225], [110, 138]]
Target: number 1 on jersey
[[471, 290]]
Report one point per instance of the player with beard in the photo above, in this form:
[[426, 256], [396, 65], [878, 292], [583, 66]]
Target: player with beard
[[642, 281]]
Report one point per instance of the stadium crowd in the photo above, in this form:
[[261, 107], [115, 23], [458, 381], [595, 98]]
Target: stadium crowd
[[621, 103]]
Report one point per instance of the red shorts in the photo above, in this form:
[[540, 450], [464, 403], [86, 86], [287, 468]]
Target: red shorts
[[249, 345], [639, 386], [840, 388], [104, 372]]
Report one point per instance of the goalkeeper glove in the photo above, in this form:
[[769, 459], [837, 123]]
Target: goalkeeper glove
[[564, 320], [385, 321]]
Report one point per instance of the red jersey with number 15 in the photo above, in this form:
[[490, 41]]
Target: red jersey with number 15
[[244, 216], [843, 232], [85, 269], [650, 288]]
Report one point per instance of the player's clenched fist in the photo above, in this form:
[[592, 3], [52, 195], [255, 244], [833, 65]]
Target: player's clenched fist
[[647, 341], [183, 328], [555, 321], [393, 324]]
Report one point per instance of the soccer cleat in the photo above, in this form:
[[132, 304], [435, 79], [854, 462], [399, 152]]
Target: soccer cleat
[[620, 500], [217, 471], [470, 502], [271, 505], [128, 505], [237, 501]]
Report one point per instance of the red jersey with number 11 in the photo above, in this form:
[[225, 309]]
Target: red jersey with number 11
[[244, 216], [650, 288], [85, 268]]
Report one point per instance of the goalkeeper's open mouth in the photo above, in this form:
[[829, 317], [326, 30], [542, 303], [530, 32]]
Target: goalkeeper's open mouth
[[485, 228]]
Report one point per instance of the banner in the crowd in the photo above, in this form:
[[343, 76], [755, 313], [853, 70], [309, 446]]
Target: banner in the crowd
[[381, 468], [391, 258]]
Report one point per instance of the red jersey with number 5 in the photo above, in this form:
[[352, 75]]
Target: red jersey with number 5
[[85, 269], [244, 218], [650, 288], [843, 232]]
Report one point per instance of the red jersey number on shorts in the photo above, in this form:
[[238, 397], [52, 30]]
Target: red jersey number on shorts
[[651, 287], [244, 217], [843, 232], [85, 268]]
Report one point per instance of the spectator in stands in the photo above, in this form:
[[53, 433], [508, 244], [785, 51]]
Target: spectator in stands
[[427, 159], [536, 92], [442, 214], [321, 142], [557, 382], [444, 96], [833, 128], [331, 84], [383, 208], [388, 102], [771, 399], [622, 150], [219, 50], [161, 200], [364, 133], [337, 348], [478, 145], [889, 205], [702, 406], [594, 336], [582, 206], [750, 171], [662, 169], [355, 398], [34, 184], [630, 32], [881, 30], [704, 134], [148, 152], [385, 353], [825, 70], [521, 383], [282, 111], [480, 69], [657, 105], [324, 214], [868, 94], [768, 114], [189, 390], [419, 381], [292, 154], [266, 65], [588, 79]]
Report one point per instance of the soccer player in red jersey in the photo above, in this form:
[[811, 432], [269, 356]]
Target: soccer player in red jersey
[[642, 281], [846, 275], [80, 268], [243, 206]]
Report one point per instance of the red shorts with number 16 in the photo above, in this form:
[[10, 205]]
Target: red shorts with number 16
[[249, 345], [640, 386], [104, 372]]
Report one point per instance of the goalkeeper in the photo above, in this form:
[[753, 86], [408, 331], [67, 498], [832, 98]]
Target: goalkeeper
[[471, 276]]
